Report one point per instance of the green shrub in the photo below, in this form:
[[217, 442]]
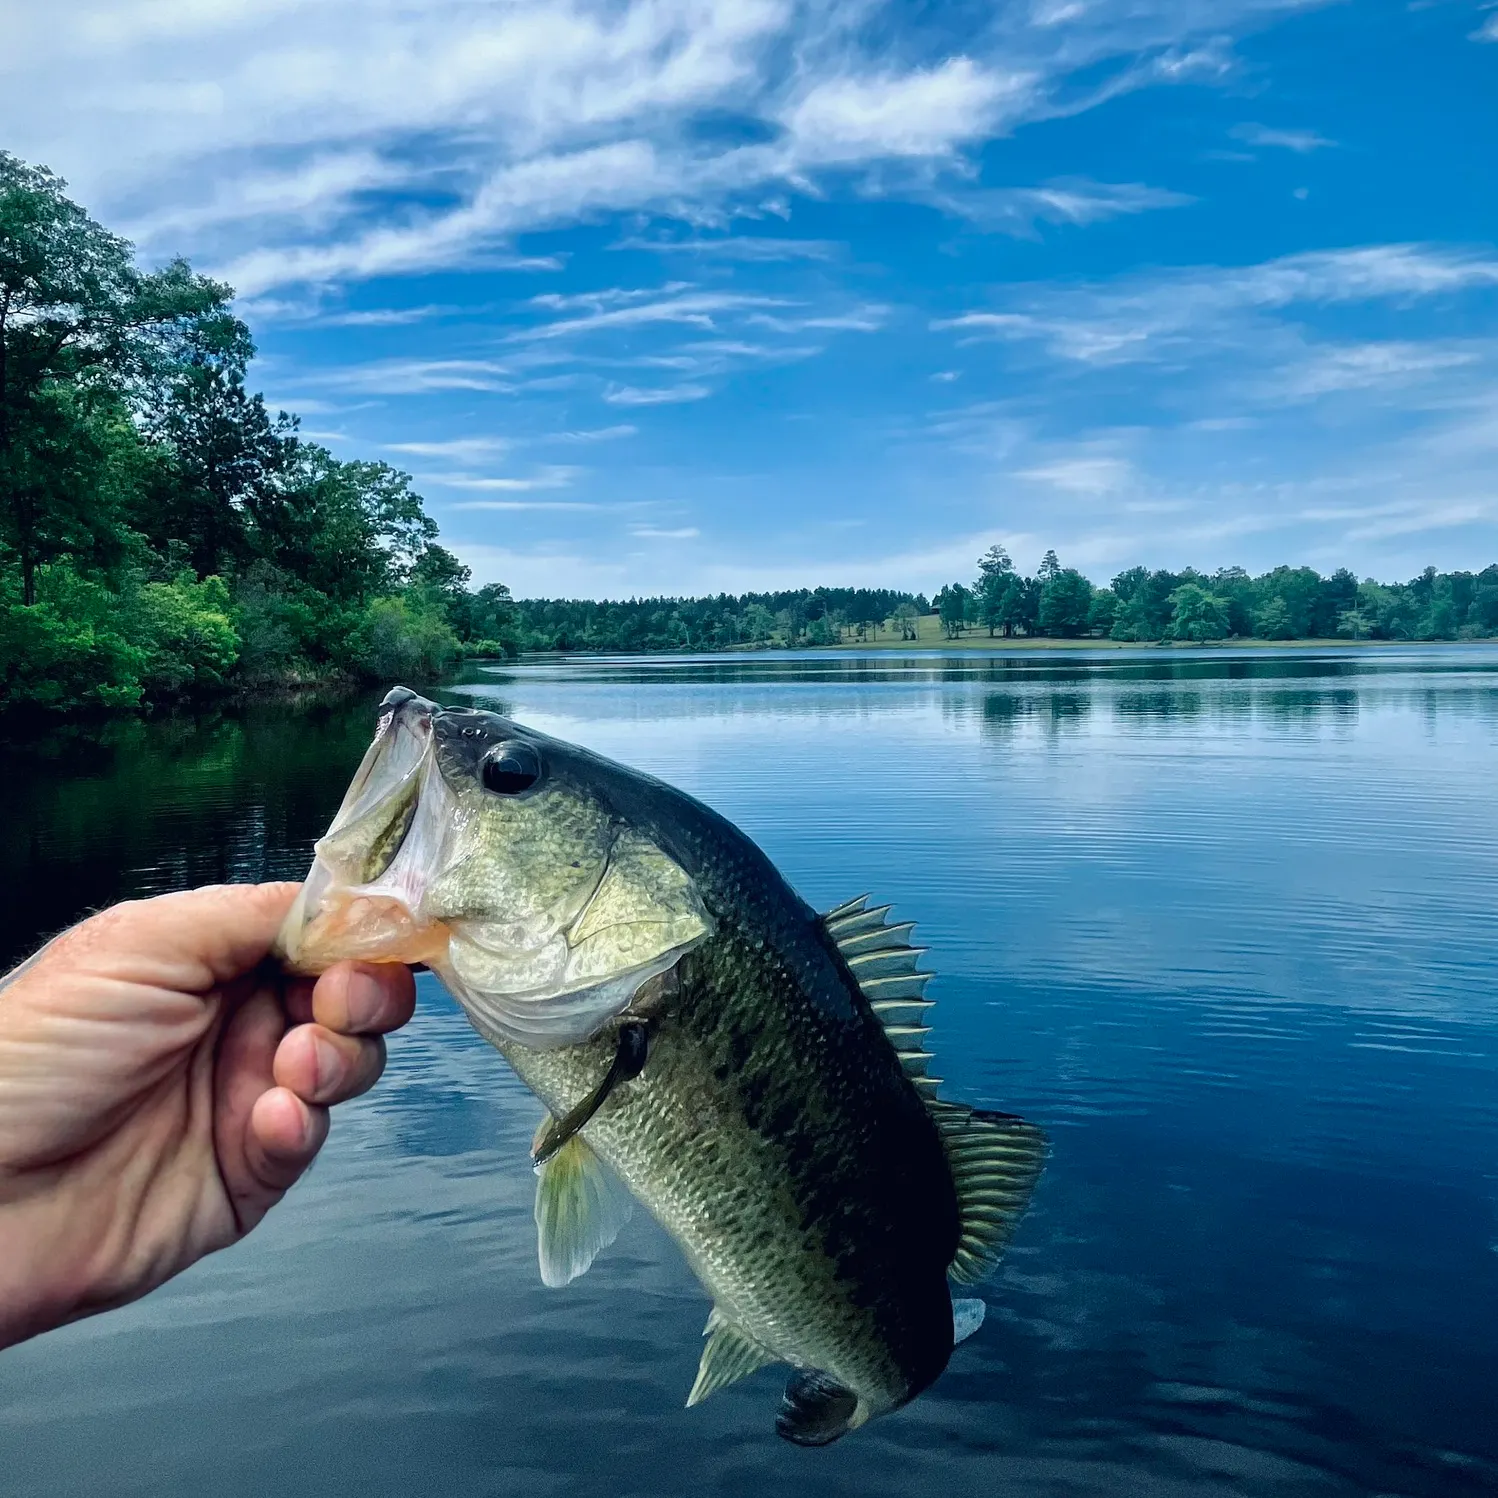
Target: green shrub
[[186, 633], [279, 624], [406, 637], [489, 650], [65, 652]]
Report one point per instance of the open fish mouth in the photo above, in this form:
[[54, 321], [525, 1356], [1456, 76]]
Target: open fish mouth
[[459, 847], [362, 897]]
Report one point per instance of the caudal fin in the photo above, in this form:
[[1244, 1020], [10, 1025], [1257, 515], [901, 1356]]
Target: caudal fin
[[816, 1409]]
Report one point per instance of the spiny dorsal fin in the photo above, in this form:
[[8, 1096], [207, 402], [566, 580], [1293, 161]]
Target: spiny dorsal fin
[[883, 961], [729, 1356], [995, 1160], [850, 907]]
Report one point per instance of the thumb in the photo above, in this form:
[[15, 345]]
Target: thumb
[[189, 942]]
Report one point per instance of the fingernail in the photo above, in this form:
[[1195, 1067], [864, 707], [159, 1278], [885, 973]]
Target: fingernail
[[366, 998], [327, 1064]]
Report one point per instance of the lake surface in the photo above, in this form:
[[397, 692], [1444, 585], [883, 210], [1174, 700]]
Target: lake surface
[[1225, 924]]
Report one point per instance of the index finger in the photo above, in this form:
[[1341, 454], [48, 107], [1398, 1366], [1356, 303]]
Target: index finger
[[364, 998]]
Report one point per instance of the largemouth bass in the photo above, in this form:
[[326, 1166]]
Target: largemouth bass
[[751, 1071]]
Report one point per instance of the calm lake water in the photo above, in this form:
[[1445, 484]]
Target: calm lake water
[[1226, 924]]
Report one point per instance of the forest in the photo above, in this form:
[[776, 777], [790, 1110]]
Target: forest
[[1287, 603], [164, 534]]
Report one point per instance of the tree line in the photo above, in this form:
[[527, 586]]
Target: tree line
[[163, 532], [794, 617], [1140, 604], [1287, 603]]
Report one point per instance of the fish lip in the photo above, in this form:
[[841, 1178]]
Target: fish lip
[[400, 699], [395, 758]]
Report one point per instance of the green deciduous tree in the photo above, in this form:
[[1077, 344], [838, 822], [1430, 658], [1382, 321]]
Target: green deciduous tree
[[1102, 611], [1197, 615], [1065, 604], [952, 604], [995, 575], [78, 326], [1273, 619]]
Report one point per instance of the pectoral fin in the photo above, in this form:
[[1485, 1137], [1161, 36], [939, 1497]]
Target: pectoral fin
[[580, 1209], [629, 1061], [730, 1355]]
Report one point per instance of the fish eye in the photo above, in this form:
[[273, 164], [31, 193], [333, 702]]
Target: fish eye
[[511, 768]]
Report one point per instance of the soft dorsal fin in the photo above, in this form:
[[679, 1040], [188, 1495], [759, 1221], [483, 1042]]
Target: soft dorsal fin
[[995, 1158], [730, 1355]]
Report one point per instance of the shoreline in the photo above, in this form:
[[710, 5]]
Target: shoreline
[[982, 644], [1245, 642]]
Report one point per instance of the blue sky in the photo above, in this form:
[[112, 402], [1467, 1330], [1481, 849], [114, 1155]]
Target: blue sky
[[666, 295]]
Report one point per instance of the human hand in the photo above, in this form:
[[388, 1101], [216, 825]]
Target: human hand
[[161, 1089]]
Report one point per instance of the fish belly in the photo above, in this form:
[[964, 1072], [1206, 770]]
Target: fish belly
[[749, 1201]]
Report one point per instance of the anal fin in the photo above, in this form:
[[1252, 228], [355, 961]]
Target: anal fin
[[967, 1317], [730, 1355], [816, 1409], [580, 1209]]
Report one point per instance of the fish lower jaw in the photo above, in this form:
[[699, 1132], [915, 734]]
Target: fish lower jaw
[[364, 928]]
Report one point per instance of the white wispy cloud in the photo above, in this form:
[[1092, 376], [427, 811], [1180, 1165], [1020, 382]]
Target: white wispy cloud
[[1078, 201], [746, 247], [459, 449], [1082, 474], [310, 195], [1156, 316], [696, 309], [925, 112], [552, 476], [374, 137], [868, 318], [1422, 519], [415, 376], [596, 434], [538, 193], [657, 533], [516, 505], [1327, 369], [659, 395], [1302, 142], [389, 317]]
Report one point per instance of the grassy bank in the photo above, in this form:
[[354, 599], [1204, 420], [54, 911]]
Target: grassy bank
[[930, 636]]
